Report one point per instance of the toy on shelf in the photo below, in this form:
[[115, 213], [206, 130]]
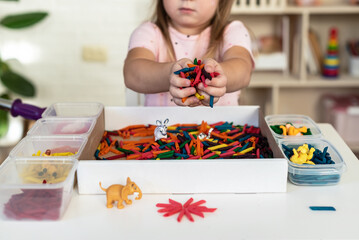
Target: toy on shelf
[[161, 129], [331, 60], [187, 209], [119, 193], [353, 50]]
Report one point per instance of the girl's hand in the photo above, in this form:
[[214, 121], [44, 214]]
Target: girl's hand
[[215, 87], [180, 87]]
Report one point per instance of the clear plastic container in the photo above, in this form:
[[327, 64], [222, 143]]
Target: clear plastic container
[[36, 189], [62, 126], [84, 109], [30, 146], [297, 121], [319, 174]]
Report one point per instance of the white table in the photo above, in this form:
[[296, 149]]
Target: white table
[[238, 216]]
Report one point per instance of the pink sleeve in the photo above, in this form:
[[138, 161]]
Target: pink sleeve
[[236, 34], [145, 36]]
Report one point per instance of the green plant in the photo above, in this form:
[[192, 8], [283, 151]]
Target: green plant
[[13, 82]]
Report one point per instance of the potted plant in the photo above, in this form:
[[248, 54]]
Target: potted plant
[[13, 82]]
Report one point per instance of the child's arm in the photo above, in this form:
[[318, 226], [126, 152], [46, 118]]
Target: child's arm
[[234, 74], [237, 66], [144, 75]]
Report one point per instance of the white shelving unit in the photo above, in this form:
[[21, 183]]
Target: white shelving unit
[[278, 92], [298, 92]]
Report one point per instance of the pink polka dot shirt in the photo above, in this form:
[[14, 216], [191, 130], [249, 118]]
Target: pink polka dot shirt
[[149, 36]]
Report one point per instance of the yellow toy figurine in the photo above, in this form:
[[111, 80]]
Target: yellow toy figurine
[[290, 130], [303, 155], [311, 153], [119, 193]]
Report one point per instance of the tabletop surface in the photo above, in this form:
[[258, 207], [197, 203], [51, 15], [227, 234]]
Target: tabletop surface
[[238, 216]]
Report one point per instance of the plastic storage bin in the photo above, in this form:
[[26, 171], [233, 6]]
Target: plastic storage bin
[[92, 110], [342, 111], [319, 174], [31, 145], [74, 110], [36, 189], [297, 121], [62, 126]]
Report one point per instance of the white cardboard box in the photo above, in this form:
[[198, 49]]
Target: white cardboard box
[[187, 176]]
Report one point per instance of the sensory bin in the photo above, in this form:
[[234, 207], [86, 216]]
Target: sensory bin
[[218, 167]]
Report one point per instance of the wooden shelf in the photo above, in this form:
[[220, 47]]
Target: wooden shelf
[[278, 79], [344, 80], [257, 11], [270, 79], [331, 9]]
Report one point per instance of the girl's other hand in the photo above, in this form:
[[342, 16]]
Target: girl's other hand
[[215, 87], [180, 87]]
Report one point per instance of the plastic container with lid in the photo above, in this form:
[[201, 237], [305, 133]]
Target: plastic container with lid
[[62, 126], [80, 109], [37, 188], [30, 146], [297, 121], [91, 110], [319, 174]]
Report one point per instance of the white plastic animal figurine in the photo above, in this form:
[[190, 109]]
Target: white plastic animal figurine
[[205, 136], [161, 130]]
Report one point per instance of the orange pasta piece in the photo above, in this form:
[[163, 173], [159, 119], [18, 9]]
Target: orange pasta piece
[[133, 156]]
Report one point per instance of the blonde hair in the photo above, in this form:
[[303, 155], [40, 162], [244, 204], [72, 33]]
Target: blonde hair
[[219, 22]]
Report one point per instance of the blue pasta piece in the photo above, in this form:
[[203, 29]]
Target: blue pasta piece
[[322, 208]]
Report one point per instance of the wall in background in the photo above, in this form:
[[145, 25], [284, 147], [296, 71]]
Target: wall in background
[[51, 53]]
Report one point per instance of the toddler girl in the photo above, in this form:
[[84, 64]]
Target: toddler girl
[[182, 30]]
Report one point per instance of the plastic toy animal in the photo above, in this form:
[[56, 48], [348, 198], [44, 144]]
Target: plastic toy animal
[[161, 130], [205, 136], [289, 129], [303, 155], [119, 193]]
